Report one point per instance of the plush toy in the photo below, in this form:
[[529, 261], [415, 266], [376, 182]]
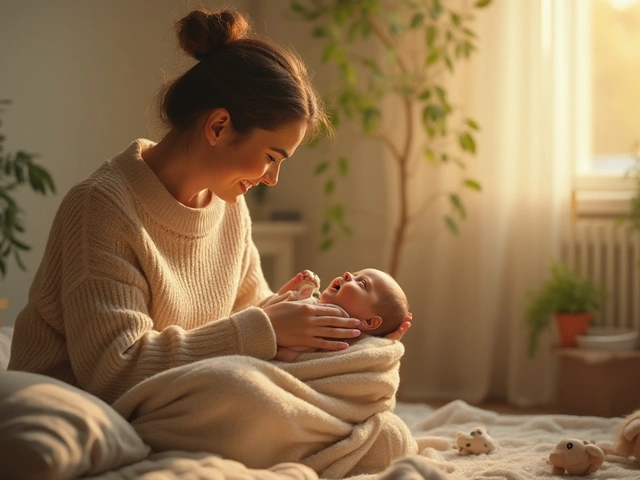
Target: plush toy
[[476, 442], [628, 441], [577, 457]]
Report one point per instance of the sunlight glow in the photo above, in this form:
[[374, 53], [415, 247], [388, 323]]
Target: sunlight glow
[[622, 4]]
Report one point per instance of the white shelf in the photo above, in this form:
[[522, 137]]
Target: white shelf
[[276, 241]]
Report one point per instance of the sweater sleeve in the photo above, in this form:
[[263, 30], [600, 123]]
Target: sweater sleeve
[[253, 288], [113, 345]]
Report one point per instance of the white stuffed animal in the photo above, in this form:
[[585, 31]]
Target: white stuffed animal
[[477, 441]]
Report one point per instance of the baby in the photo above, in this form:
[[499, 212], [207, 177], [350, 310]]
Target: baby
[[370, 295]]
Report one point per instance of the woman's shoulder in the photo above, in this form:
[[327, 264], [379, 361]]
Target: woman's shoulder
[[104, 192]]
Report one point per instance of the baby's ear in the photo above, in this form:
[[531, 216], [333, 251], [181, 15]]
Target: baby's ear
[[372, 323]]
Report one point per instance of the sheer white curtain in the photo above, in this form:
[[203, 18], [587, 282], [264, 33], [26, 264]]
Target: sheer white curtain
[[468, 293]]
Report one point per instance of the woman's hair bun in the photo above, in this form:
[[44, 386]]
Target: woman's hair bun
[[201, 31]]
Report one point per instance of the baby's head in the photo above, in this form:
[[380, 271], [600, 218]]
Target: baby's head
[[372, 296]]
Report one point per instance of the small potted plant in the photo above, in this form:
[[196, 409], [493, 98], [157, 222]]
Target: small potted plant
[[569, 298], [17, 170]]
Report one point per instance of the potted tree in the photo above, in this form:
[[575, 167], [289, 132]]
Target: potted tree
[[17, 169], [566, 296], [367, 43]]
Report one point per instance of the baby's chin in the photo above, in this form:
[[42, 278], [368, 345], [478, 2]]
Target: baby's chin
[[325, 297]]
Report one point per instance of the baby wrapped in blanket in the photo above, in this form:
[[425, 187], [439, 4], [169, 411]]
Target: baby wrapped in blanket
[[332, 410], [370, 295]]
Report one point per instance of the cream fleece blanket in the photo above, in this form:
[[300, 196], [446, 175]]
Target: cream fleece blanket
[[524, 443], [329, 411]]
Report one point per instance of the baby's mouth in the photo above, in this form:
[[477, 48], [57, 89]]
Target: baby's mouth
[[335, 285]]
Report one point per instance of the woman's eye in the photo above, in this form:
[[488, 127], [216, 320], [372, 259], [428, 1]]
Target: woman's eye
[[271, 158]]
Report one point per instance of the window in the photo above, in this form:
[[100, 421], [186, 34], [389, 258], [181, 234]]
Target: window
[[615, 84], [607, 51]]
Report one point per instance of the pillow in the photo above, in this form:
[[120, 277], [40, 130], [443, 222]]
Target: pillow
[[49, 429], [6, 333]]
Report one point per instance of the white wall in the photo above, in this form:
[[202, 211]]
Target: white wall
[[83, 76]]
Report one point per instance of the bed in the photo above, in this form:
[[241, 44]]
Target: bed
[[100, 444]]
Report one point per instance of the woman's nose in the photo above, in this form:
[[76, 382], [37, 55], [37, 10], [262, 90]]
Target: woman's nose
[[271, 175]]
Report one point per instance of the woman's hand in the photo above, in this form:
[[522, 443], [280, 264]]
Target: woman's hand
[[402, 329], [307, 325], [290, 354]]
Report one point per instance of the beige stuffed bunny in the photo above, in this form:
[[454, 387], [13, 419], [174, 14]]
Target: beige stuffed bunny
[[476, 442], [577, 457]]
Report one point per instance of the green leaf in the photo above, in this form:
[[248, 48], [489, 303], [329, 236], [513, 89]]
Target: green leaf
[[395, 24], [18, 244], [332, 52], [472, 124], [435, 12], [329, 186], [417, 20], [433, 56], [326, 244], [431, 157], [448, 62], [319, 32], [482, 3], [457, 205], [469, 32], [425, 94], [467, 143], [337, 212], [370, 119], [297, 6], [321, 168], [472, 184], [432, 33], [451, 224], [343, 166]]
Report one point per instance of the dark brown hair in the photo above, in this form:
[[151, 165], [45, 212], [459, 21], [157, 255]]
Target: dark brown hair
[[260, 83], [393, 308]]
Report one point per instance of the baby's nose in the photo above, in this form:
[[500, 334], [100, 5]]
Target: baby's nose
[[348, 276]]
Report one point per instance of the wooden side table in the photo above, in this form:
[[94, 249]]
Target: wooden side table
[[598, 382], [276, 241]]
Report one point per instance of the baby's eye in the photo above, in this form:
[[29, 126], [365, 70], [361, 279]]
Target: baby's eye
[[364, 282]]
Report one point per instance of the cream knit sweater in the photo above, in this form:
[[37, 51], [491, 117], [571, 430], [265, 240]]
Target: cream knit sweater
[[133, 283]]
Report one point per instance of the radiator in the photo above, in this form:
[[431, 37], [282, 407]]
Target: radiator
[[609, 254]]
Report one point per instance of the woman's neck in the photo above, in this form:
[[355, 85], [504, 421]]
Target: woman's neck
[[170, 162]]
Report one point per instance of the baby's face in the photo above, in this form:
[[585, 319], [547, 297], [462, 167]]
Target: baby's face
[[359, 292]]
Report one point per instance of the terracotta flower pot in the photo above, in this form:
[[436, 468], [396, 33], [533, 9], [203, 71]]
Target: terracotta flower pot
[[570, 325]]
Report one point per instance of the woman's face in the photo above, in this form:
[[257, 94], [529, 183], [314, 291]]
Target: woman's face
[[256, 158]]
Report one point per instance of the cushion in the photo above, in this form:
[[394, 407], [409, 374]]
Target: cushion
[[49, 429], [6, 333]]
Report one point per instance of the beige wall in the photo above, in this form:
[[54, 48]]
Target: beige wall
[[83, 75]]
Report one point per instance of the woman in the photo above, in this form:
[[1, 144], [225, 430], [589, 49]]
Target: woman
[[150, 263]]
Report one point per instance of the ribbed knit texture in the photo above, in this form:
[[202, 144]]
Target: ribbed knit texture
[[132, 283]]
